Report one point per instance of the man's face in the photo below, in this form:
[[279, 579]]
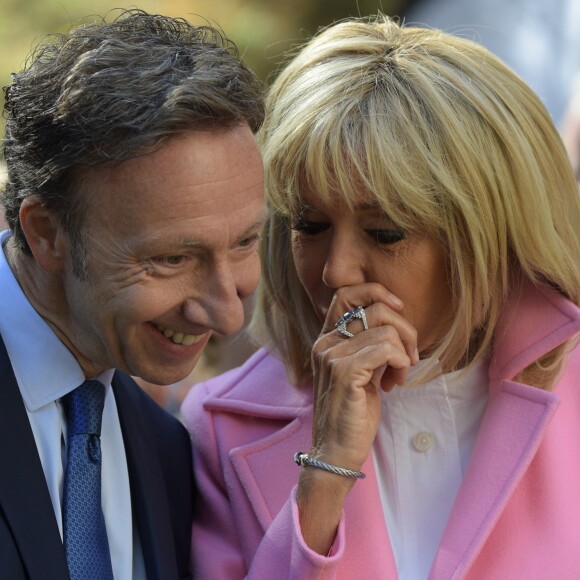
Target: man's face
[[171, 240]]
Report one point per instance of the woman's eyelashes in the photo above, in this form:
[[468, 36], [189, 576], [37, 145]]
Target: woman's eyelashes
[[386, 237], [382, 236], [308, 227]]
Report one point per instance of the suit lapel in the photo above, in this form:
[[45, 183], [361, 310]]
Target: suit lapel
[[512, 430], [148, 491], [24, 497]]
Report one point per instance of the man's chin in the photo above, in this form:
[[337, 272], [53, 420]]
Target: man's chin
[[167, 378], [166, 366]]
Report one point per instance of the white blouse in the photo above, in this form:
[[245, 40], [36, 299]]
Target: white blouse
[[421, 453]]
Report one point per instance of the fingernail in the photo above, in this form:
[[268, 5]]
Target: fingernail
[[396, 301], [416, 356]]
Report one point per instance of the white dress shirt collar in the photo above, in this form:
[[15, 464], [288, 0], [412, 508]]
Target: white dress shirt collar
[[54, 371], [461, 385]]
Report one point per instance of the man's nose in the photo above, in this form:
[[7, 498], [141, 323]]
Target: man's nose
[[218, 302]]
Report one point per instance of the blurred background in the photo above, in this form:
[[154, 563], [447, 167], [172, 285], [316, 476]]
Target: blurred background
[[540, 39]]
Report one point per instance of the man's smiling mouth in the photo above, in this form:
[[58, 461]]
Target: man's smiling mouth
[[179, 337]]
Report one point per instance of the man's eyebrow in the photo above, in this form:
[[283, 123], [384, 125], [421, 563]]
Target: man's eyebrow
[[257, 225], [189, 242]]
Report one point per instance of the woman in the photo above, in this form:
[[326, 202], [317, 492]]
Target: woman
[[419, 298]]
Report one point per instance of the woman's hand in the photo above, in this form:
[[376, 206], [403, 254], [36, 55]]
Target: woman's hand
[[349, 374]]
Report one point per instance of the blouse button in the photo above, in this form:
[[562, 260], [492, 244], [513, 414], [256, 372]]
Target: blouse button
[[423, 441]]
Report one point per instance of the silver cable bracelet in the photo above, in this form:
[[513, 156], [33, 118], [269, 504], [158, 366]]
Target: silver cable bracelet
[[302, 459]]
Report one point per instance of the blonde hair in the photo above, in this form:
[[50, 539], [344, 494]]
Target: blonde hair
[[450, 142]]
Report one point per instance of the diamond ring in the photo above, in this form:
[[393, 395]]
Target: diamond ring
[[342, 322]]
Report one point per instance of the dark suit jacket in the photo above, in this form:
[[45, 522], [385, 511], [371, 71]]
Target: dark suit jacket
[[160, 474]]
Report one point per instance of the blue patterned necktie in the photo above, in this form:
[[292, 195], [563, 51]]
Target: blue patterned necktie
[[85, 535]]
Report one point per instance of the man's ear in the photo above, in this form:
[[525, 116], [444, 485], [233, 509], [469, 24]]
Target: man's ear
[[44, 234]]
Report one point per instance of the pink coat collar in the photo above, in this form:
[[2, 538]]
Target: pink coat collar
[[534, 322]]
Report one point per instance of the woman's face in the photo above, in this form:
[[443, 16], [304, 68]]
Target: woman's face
[[334, 247]]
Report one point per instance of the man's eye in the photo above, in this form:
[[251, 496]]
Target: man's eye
[[170, 260], [309, 228], [386, 237], [250, 241]]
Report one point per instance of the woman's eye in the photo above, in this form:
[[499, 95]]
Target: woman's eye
[[386, 237], [309, 228]]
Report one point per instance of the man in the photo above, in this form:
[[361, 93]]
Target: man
[[134, 201]]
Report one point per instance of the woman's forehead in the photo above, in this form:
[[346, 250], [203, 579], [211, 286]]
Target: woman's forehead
[[353, 198]]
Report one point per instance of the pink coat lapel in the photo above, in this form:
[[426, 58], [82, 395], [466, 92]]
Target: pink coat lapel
[[517, 417], [284, 427], [512, 430], [534, 321], [267, 472], [265, 482]]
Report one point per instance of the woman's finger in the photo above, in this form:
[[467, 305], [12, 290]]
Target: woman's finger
[[376, 315], [349, 297]]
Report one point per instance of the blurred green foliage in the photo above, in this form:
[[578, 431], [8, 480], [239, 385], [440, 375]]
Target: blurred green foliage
[[262, 29]]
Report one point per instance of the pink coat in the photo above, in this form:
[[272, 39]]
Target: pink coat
[[517, 513]]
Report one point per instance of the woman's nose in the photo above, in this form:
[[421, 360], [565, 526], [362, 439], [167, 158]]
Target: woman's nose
[[345, 262]]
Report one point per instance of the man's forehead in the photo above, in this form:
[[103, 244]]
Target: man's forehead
[[219, 163]]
